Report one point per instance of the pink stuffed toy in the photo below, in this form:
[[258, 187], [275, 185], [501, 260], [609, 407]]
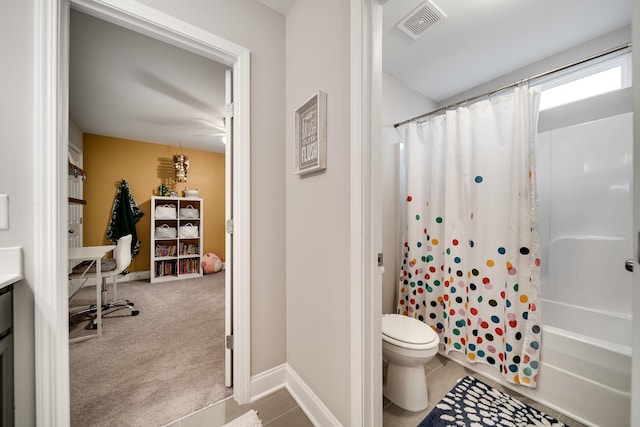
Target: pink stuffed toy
[[211, 263]]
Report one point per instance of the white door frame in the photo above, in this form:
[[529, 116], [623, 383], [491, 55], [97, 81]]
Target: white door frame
[[228, 238], [635, 327], [51, 88], [366, 213], [366, 36]]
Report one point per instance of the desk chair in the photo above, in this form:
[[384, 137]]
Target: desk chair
[[108, 268]]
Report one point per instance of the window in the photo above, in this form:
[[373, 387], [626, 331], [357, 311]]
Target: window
[[592, 80]]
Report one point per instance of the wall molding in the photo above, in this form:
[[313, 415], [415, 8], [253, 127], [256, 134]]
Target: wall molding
[[135, 275], [50, 216], [269, 381], [284, 376], [366, 213]]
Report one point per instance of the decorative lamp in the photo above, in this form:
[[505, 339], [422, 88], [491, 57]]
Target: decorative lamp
[[181, 165]]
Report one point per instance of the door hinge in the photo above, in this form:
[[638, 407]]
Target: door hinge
[[380, 260], [229, 226], [229, 342], [230, 109]]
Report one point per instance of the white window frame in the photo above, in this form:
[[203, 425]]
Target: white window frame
[[589, 69]]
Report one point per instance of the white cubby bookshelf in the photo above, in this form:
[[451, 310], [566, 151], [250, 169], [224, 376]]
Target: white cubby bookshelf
[[179, 256]]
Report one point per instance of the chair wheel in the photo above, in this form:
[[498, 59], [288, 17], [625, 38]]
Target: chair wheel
[[135, 312], [94, 326]]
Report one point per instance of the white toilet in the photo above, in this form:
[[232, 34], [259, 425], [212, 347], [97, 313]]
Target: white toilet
[[407, 344]]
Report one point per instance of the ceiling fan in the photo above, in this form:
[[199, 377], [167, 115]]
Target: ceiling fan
[[220, 129]]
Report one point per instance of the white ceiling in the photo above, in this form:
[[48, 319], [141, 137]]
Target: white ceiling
[[280, 6], [127, 85], [481, 40]]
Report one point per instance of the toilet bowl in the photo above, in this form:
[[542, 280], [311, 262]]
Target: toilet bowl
[[407, 344]]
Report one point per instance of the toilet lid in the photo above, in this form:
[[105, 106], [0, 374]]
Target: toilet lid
[[407, 329]]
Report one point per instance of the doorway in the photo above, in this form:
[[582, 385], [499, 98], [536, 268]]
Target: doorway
[[51, 118], [128, 90]]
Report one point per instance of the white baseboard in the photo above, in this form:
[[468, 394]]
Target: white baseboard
[[136, 275], [268, 382], [281, 376], [312, 406]]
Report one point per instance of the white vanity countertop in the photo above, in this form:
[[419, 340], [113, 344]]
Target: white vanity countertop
[[10, 266]]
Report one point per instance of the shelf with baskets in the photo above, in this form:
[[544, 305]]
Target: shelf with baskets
[[176, 238]]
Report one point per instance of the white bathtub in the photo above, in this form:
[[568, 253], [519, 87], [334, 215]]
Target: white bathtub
[[582, 377]]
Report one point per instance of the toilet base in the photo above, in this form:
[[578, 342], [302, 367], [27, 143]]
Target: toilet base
[[406, 387]]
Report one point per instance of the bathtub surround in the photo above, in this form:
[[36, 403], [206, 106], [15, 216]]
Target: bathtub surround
[[471, 266], [585, 172]]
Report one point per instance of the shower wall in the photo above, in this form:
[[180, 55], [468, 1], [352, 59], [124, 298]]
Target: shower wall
[[585, 220], [584, 172]]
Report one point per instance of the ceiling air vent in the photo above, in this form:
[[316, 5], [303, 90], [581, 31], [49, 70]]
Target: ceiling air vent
[[424, 18]]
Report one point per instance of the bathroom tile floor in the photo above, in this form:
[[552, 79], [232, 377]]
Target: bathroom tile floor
[[275, 410], [279, 409], [442, 374]]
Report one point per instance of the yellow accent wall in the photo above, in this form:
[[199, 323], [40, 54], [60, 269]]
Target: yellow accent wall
[[145, 166]]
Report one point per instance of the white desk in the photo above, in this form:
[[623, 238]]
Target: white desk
[[94, 254]]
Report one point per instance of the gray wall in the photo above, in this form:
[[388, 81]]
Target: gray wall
[[262, 31], [245, 22], [318, 206], [16, 180]]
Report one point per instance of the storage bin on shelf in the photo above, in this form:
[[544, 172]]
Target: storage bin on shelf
[[176, 238]]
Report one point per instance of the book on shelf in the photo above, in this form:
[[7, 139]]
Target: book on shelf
[[165, 250], [166, 268], [191, 265], [189, 249]]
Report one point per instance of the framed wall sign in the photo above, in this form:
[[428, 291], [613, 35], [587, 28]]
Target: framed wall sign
[[311, 135]]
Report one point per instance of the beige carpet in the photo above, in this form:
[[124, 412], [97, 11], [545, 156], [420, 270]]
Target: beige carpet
[[156, 367]]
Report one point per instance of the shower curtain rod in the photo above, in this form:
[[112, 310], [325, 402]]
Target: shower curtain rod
[[537, 76]]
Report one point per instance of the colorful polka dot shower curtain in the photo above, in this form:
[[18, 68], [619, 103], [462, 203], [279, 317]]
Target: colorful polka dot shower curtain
[[470, 268]]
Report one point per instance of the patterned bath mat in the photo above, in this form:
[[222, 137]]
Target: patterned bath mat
[[472, 403]]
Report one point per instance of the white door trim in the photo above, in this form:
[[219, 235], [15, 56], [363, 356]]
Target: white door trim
[[51, 88], [635, 327], [228, 237], [50, 217], [366, 276]]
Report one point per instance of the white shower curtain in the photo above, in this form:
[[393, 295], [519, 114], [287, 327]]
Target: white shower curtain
[[471, 266]]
